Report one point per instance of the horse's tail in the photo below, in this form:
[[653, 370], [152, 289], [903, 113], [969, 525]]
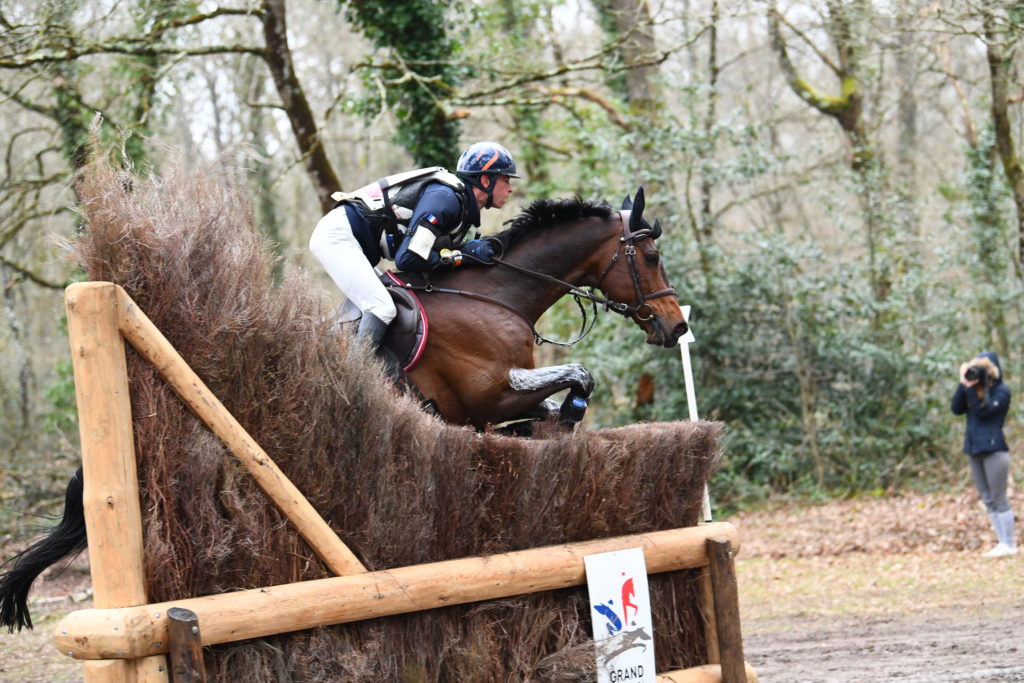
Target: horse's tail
[[67, 538]]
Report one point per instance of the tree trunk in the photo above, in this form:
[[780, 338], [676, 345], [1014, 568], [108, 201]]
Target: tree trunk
[[846, 109], [628, 23], [293, 98], [1005, 144]]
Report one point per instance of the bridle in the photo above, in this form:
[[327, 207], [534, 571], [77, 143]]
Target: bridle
[[627, 246]]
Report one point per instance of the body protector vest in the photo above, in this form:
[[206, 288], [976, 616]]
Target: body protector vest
[[390, 201]]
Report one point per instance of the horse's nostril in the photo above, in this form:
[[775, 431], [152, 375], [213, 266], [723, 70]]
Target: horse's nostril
[[680, 330]]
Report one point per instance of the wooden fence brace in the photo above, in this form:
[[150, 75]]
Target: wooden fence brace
[[727, 614], [186, 653], [152, 345]]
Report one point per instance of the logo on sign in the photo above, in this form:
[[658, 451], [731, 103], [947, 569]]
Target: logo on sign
[[617, 583]]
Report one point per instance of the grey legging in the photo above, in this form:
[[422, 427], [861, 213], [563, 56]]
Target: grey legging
[[990, 471]]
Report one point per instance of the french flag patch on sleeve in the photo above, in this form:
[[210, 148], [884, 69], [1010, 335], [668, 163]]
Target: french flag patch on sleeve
[[432, 219]]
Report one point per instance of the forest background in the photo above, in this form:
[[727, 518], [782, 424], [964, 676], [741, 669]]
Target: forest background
[[839, 182]]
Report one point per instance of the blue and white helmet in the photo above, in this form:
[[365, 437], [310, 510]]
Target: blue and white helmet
[[485, 158]]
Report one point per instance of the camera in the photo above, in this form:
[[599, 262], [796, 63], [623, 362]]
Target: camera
[[974, 373]]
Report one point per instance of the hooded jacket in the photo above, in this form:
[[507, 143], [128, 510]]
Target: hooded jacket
[[984, 419]]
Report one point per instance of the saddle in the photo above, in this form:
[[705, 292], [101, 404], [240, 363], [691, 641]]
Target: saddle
[[407, 334]]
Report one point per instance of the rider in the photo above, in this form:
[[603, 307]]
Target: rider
[[418, 219]]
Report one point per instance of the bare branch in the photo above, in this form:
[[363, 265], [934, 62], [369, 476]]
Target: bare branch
[[613, 113], [800, 177], [29, 275], [180, 22], [837, 107], [947, 69], [810, 43], [131, 48]]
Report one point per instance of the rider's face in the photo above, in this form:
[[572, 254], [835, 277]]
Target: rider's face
[[502, 189]]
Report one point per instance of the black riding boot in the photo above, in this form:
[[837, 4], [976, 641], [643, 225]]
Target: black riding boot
[[373, 329]]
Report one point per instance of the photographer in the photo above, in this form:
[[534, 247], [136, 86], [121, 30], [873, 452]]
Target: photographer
[[985, 399]]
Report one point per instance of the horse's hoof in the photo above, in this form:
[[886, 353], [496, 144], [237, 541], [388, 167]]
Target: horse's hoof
[[574, 407]]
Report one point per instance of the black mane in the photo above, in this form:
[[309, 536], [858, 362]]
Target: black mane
[[545, 213]]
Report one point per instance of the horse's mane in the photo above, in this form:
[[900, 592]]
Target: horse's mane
[[545, 213]]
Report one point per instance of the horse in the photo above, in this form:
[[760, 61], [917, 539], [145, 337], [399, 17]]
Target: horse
[[478, 366]]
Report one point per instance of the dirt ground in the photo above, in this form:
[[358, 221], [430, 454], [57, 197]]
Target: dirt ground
[[885, 589]]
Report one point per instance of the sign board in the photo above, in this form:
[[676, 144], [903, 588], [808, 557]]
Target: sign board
[[620, 607]]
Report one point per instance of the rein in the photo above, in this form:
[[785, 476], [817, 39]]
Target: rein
[[537, 337], [627, 245]]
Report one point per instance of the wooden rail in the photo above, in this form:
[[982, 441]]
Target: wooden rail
[[130, 632]]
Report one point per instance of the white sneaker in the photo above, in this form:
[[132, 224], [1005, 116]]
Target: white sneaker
[[1001, 550]]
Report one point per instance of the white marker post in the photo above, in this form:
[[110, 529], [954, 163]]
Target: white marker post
[[691, 397]]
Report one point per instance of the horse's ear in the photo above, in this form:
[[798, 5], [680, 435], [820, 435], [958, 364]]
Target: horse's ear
[[627, 203], [636, 218], [656, 230]]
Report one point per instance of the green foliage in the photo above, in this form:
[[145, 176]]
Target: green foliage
[[139, 101], [422, 78], [792, 362], [789, 354], [62, 417]]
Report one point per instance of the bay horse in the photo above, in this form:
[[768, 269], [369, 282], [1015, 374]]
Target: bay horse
[[478, 365]]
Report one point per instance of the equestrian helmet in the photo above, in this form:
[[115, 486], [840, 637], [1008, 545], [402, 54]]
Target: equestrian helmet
[[485, 158]]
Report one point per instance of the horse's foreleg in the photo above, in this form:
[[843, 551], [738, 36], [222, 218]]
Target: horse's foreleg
[[553, 378], [542, 411], [541, 383]]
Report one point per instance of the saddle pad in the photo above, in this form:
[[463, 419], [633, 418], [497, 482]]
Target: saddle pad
[[407, 335]]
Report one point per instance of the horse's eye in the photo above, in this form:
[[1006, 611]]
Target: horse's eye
[[652, 259]]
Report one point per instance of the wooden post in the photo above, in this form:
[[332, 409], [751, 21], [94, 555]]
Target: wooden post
[[144, 336], [186, 654], [111, 497], [727, 609], [113, 518], [707, 611], [143, 670]]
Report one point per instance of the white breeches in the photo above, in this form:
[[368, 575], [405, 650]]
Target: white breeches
[[338, 251]]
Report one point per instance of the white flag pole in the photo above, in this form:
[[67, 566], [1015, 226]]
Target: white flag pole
[[691, 397]]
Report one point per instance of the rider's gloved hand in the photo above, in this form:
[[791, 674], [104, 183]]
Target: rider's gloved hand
[[479, 250]]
